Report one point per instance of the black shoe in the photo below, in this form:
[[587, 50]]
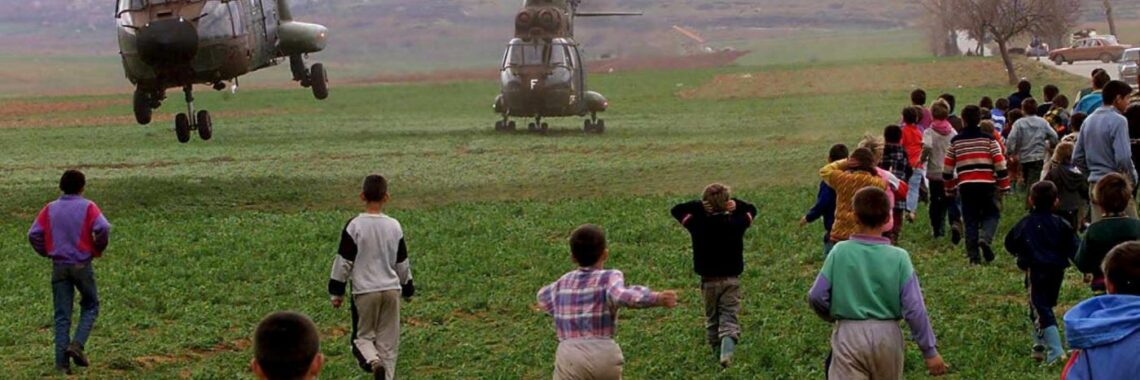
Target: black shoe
[[975, 262], [75, 352], [378, 371], [955, 235], [987, 252]]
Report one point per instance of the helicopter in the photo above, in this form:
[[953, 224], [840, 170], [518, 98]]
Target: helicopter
[[168, 44], [542, 72]]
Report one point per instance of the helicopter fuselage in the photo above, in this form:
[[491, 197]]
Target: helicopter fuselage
[[545, 78]]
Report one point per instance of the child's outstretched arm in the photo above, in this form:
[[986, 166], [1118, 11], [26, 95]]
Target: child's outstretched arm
[[829, 172], [637, 297], [824, 200]]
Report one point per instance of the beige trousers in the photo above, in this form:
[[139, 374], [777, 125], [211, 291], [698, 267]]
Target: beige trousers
[[866, 350], [378, 329], [588, 359]]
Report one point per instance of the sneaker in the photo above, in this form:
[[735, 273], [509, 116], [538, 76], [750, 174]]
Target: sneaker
[[1039, 352], [955, 235], [378, 371], [727, 346], [987, 251], [911, 217], [75, 352]]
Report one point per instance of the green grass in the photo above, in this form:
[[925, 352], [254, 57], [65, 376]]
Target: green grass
[[833, 46], [210, 237]]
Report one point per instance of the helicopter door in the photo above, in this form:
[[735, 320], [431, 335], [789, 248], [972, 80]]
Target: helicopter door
[[578, 69]]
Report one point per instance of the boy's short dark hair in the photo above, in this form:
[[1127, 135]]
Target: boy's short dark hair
[[1002, 104], [1113, 193], [375, 188], [1050, 92], [1044, 195], [1122, 268], [837, 152], [950, 101], [986, 102], [1029, 106], [1077, 121], [864, 159], [1012, 117], [918, 97], [1114, 90], [1024, 86], [872, 209], [1095, 71], [587, 244], [72, 182], [285, 344], [986, 114], [892, 134], [911, 115], [971, 115], [1101, 79], [1060, 102]]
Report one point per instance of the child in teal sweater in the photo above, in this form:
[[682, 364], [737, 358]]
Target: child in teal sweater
[[865, 287]]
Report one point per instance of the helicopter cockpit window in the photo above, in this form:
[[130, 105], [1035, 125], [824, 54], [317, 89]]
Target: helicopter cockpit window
[[130, 5], [537, 55]]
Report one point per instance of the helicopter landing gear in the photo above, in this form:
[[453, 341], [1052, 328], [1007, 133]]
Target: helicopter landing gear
[[144, 105], [595, 125], [184, 123], [315, 77], [505, 126], [538, 126]]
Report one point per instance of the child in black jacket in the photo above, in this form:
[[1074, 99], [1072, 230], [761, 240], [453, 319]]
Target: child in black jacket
[[1044, 244], [717, 224]]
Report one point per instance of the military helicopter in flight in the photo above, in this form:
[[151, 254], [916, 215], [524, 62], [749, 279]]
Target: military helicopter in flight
[[542, 74], [179, 43]]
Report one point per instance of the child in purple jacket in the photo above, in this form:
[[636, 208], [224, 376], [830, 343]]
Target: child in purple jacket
[[71, 231]]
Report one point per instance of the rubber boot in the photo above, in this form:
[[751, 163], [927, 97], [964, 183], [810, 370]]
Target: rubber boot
[[727, 346], [1053, 341]]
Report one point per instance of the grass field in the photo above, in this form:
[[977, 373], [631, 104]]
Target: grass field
[[210, 237]]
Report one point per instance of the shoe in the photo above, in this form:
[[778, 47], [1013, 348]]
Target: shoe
[[75, 352], [910, 217], [1038, 352], [378, 371], [727, 346], [987, 252], [64, 370], [1052, 338], [955, 234]]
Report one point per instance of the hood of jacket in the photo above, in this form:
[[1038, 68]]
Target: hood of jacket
[[1103, 320], [943, 127]]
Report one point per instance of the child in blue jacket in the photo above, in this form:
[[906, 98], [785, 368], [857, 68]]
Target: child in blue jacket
[[1044, 243], [1105, 331], [825, 201]]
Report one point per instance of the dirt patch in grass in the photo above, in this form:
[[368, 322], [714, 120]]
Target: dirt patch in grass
[[51, 119], [874, 78], [23, 108]]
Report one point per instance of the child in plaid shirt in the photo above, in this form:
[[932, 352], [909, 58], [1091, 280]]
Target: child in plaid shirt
[[584, 303], [896, 160]]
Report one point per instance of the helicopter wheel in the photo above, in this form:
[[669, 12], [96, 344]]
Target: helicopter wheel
[[511, 126], [587, 126], [182, 128], [531, 127], [499, 127], [142, 106], [543, 127], [205, 125], [319, 80], [600, 126]]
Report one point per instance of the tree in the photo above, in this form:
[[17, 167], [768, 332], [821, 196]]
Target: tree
[[1059, 19], [942, 27], [1108, 15], [1004, 20]]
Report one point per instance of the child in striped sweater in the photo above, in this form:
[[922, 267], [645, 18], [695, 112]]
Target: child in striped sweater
[[976, 170]]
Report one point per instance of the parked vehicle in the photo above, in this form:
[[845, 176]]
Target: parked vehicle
[[1104, 48], [1129, 63]]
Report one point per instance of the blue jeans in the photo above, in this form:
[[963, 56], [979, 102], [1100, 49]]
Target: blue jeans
[[914, 186], [65, 280]]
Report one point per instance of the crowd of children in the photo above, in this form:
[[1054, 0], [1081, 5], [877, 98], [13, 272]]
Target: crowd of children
[[1076, 170]]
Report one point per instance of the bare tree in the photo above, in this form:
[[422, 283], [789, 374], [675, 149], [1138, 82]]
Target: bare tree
[[1058, 20], [1005, 20], [1108, 15]]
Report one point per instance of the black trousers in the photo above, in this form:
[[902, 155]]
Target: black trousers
[[1044, 289]]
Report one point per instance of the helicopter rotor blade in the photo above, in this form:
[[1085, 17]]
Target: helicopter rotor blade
[[607, 14]]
